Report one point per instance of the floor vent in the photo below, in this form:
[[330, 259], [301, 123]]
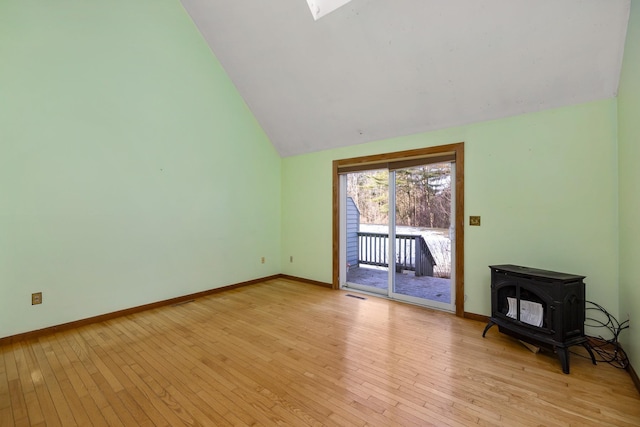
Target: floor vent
[[355, 296], [182, 303]]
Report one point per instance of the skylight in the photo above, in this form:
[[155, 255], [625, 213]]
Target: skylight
[[319, 8]]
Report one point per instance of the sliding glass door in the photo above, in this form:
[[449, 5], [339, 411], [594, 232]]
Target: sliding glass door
[[397, 230]]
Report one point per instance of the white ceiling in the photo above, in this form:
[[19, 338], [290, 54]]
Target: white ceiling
[[375, 69]]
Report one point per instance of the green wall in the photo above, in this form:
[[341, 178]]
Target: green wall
[[545, 185], [131, 171], [629, 182]]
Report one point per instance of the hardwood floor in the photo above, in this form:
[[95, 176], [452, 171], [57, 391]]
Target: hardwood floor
[[288, 353]]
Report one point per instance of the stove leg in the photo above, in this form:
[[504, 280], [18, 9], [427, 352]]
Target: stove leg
[[588, 347], [563, 355], [486, 328]]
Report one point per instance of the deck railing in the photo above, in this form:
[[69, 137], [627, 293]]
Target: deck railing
[[412, 252]]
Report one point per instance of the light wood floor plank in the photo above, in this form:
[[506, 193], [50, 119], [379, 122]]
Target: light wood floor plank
[[287, 353], [110, 381], [134, 398], [64, 351], [14, 385], [51, 384], [25, 370], [42, 392], [6, 414], [69, 394]]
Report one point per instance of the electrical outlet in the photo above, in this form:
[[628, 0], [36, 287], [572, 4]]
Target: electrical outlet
[[36, 298], [262, 260], [291, 258]]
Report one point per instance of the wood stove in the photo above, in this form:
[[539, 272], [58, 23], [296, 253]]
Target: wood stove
[[540, 307]]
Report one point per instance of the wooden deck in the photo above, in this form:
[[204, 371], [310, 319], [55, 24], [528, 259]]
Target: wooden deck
[[287, 353], [431, 288]]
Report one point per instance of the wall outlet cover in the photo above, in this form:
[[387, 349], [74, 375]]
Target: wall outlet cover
[[36, 298]]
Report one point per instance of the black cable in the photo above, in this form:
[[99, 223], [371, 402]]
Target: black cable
[[608, 349]]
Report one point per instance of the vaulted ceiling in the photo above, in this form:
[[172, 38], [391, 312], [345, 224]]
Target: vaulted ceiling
[[375, 69]]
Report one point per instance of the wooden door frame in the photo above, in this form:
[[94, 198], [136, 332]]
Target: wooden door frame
[[458, 149]]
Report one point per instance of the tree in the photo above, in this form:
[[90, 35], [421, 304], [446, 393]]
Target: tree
[[423, 195]]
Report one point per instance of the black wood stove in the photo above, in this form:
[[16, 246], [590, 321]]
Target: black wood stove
[[540, 307]]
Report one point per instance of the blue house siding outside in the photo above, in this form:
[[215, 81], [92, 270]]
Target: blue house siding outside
[[353, 226]]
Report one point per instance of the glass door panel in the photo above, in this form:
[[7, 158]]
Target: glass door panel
[[367, 231], [423, 213]]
